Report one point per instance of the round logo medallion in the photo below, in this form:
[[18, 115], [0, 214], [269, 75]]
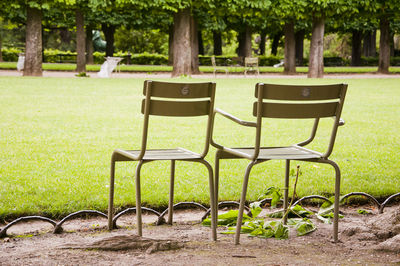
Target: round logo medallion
[[306, 92], [185, 90]]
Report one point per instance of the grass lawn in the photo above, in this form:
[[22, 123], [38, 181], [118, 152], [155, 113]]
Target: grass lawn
[[57, 136], [204, 69]]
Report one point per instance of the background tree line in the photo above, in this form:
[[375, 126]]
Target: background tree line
[[183, 24]]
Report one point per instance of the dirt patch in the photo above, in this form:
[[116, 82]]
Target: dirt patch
[[364, 239]]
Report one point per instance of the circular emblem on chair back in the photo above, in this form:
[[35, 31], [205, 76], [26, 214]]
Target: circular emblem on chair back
[[306, 92], [185, 90]]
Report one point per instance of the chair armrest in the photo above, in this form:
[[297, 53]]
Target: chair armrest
[[232, 118], [235, 119]]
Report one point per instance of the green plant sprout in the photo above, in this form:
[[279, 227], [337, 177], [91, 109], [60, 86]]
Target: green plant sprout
[[259, 227]]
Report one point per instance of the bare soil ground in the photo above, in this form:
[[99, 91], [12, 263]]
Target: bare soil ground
[[364, 239]]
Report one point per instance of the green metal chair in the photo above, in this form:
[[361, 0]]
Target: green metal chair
[[287, 102], [218, 68], [174, 100]]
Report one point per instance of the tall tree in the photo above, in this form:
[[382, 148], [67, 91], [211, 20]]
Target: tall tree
[[1, 39], [217, 38], [290, 49], [319, 12], [80, 41], [33, 42], [369, 44], [289, 12], [316, 60], [299, 40], [182, 51]]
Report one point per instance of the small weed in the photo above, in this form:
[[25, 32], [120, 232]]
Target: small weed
[[82, 75], [364, 212]]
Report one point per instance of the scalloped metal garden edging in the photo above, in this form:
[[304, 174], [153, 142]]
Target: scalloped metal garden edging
[[160, 216]]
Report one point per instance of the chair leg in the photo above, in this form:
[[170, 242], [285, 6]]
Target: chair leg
[[286, 191], [242, 202], [138, 199], [212, 200], [171, 193], [216, 182], [336, 207], [337, 199], [111, 196]]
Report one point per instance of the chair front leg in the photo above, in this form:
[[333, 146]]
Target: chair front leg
[[337, 199], [111, 196], [171, 193], [286, 191], [242, 201], [212, 200], [216, 181], [138, 198]]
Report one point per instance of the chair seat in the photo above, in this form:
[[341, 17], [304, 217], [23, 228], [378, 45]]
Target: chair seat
[[276, 153], [162, 154]]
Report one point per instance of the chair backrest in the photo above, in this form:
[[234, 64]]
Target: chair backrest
[[251, 61], [300, 102], [178, 99]]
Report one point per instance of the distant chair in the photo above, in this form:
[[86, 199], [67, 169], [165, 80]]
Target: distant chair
[[21, 62], [281, 63], [108, 66], [251, 64], [218, 68]]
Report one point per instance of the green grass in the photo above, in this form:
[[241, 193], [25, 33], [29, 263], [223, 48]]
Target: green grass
[[57, 136], [205, 69]]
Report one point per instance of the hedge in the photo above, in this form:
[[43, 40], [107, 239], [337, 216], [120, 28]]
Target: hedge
[[57, 56]]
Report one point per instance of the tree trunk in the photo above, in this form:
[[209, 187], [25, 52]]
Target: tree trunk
[[109, 31], [275, 43], [171, 46], [80, 42], [89, 46], [245, 43], [33, 43], [369, 44], [1, 54], [201, 43], [290, 50], [299, 39], [391, 43], [182, 43], [217, 36], [356, 48], [384, 46], [194, 46], [263, 36], [316, 61]]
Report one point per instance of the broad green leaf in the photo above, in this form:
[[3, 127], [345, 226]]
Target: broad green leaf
[[267, 233], [305, 226], [255, 209], [281, 231], [275, 194]]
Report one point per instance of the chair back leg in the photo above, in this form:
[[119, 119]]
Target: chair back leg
[[111, 196], [138, 199]]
